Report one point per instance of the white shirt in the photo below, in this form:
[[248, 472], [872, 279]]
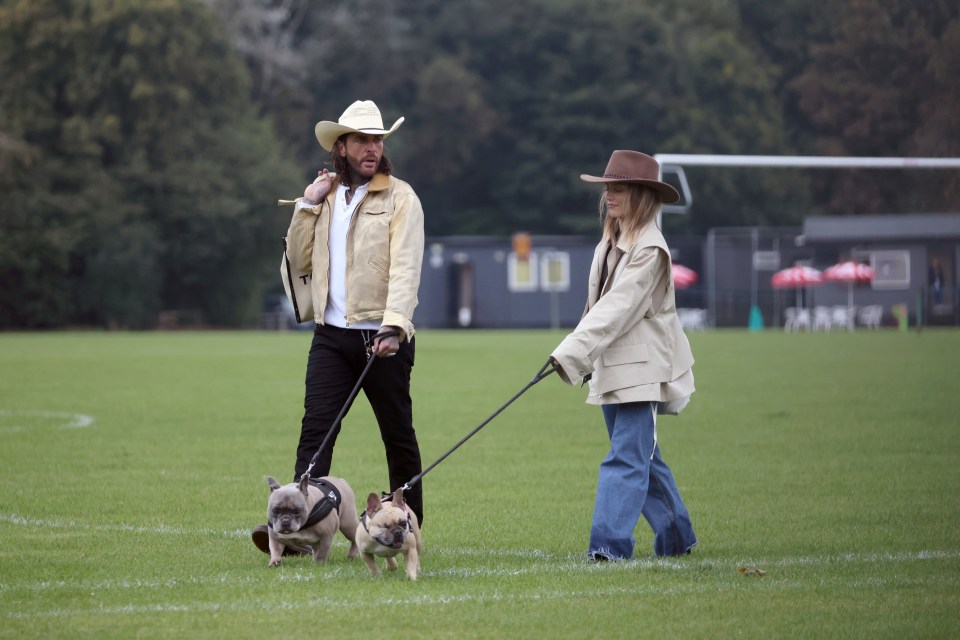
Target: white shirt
[[336, 312]]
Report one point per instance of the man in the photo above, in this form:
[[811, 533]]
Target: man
[[360, 232]]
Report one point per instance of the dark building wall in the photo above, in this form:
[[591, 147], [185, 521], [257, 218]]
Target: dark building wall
[[474, 272]]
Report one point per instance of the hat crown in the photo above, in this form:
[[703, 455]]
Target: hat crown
[[632, 165], [362, 114]]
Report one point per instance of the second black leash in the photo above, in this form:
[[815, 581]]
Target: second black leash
[[543, 373]]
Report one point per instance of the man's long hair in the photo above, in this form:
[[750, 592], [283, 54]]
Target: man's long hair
[[342, 168], [640, 207]]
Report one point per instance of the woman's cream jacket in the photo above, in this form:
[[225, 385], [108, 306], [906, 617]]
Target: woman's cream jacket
[[629, 343]]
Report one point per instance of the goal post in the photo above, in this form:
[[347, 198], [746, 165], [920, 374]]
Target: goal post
[[674, 163]]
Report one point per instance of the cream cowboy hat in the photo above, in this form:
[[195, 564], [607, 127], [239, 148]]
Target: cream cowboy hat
[[636, 167], [362, 116]]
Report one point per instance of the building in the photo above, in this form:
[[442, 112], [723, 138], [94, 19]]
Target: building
[[915, 258], [519, 282], [541, 281]]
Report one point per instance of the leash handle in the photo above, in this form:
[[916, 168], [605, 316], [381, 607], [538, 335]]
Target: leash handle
[[543, 373], [346, 405]]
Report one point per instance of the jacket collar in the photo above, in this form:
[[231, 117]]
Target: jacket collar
[[649, 235], [379, 182]]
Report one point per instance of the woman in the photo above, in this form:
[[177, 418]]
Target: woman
[[631, 348]]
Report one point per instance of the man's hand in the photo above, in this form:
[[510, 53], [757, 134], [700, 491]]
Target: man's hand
[[385, 347], [319, 188]]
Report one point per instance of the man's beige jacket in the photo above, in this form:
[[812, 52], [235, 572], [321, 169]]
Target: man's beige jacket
[[629, 340], [384, 253]]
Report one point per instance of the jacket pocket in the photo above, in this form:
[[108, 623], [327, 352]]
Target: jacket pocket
[[627, 354], [376, 214], [371, 236]]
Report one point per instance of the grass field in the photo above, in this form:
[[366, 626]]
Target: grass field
[[133, 468]]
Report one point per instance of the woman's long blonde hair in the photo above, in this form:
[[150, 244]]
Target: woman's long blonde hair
[[640, 208]]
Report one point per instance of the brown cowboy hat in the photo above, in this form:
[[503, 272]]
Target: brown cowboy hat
[[636, 167]]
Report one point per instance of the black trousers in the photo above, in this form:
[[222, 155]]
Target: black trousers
[[337, 358]]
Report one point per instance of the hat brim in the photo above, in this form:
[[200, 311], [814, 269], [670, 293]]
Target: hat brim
[[327, 132], [668, 195]]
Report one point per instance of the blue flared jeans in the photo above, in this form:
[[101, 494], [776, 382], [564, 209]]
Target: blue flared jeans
[[634, 480]]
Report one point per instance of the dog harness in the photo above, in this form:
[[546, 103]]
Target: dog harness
[[331, 500]]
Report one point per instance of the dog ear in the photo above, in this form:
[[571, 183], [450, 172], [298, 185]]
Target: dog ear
[[305, 485], [373, 504], [274, 485], [398, 498]]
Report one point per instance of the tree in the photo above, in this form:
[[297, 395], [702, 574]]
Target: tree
[[565, 86], [506, 101], [137, 175], [884, 84]]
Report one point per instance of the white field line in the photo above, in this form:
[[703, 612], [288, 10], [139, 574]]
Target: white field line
[[236, 533], [339, 604], [67, 420], [500, 552], [78, 526], [543, 563], [565, 566], [485, 597]]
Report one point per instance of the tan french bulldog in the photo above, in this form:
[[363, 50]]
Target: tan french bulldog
[[387, 528], [289, 509]]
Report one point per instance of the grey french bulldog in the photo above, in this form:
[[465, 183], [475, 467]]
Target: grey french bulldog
[[289, 508]]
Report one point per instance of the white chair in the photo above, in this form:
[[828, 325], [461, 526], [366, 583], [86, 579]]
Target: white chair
[[841, 317], [797, 318], [789, 318], [871, 315], [694, 319], [822, 318]]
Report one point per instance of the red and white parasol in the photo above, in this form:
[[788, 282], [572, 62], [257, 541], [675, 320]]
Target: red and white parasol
[[683, 277], [798, 277], [850, 272]]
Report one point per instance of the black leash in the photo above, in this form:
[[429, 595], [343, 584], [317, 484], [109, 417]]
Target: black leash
[[346, 405], [543, 373]]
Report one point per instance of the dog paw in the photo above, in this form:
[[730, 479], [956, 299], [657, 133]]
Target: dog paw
[[274, 563]]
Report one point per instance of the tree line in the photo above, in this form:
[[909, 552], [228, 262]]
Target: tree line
[[143, 145]]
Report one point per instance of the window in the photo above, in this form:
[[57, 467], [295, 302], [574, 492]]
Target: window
[[555, 271], [522, 274], [892, 269]]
